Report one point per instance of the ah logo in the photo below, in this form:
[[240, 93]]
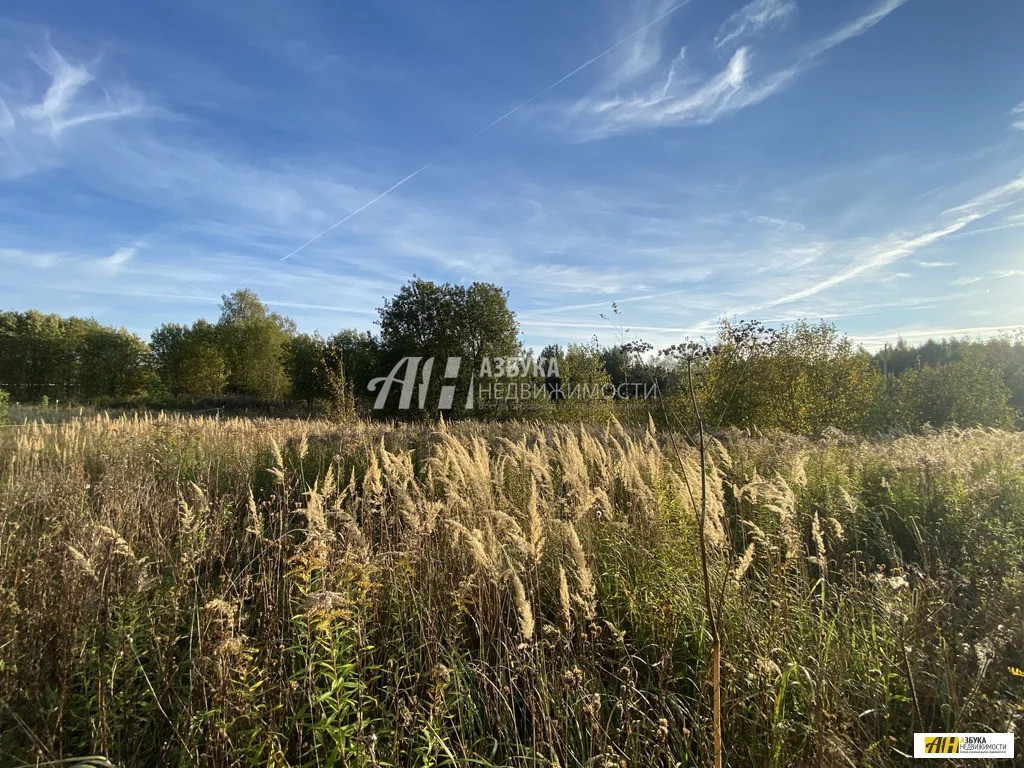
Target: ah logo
[[941, 745], [410, 384]]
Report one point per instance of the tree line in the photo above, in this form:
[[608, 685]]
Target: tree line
[[809, 378]]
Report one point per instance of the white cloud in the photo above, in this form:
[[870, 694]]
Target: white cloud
[[876, 257], [33, 259], [678, 99], [856, 27], [6, 118], [967, 280], [896, 248], [995, 274], [772, 221], [997, 196], [65, 104], [936, 264], [38, 127], [677, 96], [1017, 111], [754, 17], [112, 264], [642, 52]]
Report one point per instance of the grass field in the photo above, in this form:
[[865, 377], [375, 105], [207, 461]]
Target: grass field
[[182, 591]]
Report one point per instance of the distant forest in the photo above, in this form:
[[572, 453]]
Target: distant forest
[[809, 378]]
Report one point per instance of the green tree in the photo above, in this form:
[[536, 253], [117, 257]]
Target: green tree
[[167, 344], [188, 360], [253, 342], [40, 355], [305, 361], [968, 392], [359, 354], [585, 386], [427, 319], [204, 369], [810, 377], [114, 363]]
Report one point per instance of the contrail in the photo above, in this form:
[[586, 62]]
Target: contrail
[[487, 127]]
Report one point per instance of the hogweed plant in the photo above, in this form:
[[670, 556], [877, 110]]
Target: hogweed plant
[[739, 345]]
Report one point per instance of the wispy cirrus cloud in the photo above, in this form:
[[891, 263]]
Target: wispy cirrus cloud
[[855, 28], [1017, 113], [643, 51], [995, 274], [754, 17], [34, 126], [679, 98], [877, 257], [896, 248], [111, 264], [994, 199], [670, 92], [7, 124], [774, 221], [15, 258], [68, 102]]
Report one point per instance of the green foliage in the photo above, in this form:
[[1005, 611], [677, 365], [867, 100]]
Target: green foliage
[[810, 378], [968, 392], [585, 383], [167, 343], [114, 364], [1003, 355], [427, 319], [205, 369], [304, 362], [253, 341], [359, 354], [190, 361], [70, 358], [5, 400]]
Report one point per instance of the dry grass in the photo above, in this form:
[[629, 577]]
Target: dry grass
[[199, 592]]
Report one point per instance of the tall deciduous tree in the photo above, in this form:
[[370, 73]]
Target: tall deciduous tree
[[427, 319], [205, 370], [168, 346], [253, 341], [306, 366], [114, 363], [190, 361]]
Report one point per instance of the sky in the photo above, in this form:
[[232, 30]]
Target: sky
[[858, 161]]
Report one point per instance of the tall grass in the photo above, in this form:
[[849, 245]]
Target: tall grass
[[286, 593]]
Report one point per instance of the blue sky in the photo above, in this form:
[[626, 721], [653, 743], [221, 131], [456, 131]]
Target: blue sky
[[860, 161]]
